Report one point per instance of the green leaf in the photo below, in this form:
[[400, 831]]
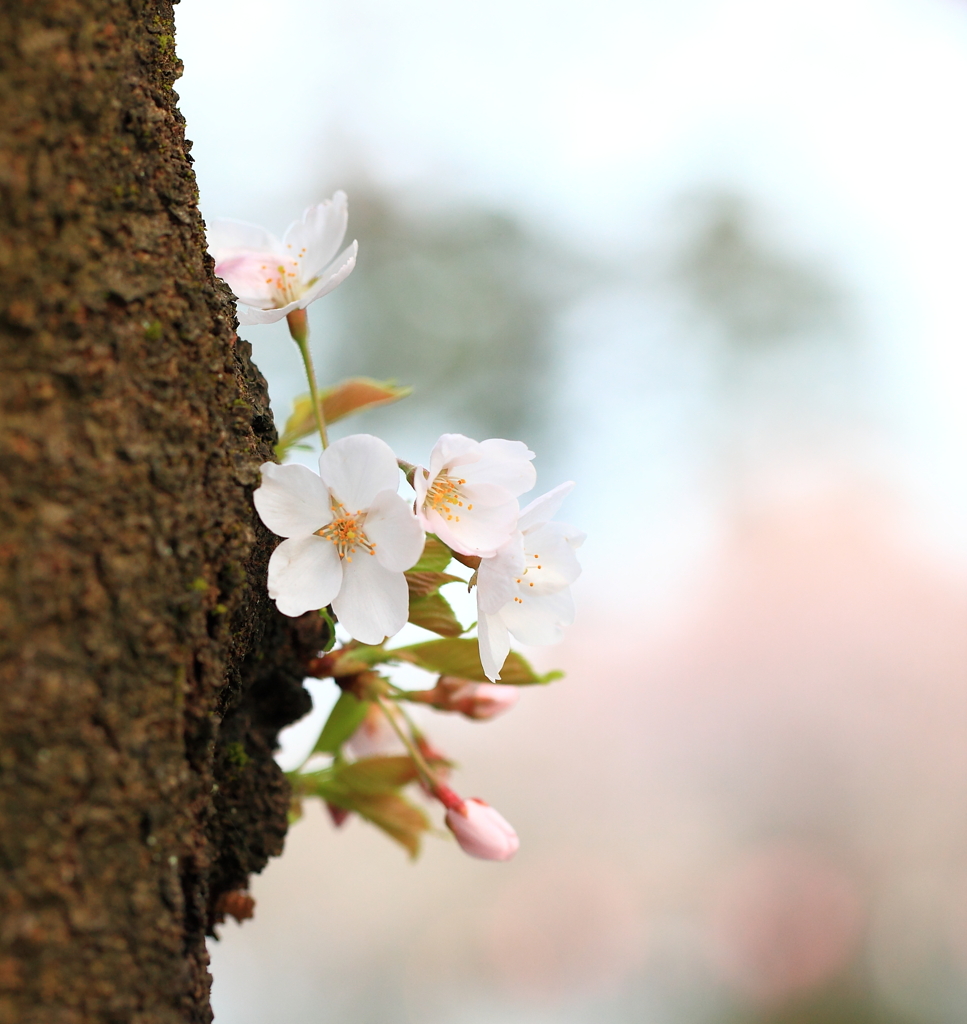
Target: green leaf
[[344, 719], [301, 423], [392, 813], [434, 613], [422, 584], [460, 657], [435, 558], [370, 787], [359, 393], [456, 657], [367, 775], [376, 774], [430, 609], [354, 658], [517, 671], [353, 395], [331, 626]]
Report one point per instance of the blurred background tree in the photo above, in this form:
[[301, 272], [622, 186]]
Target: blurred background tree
[[778, 344], [460, 301], [756, 291]]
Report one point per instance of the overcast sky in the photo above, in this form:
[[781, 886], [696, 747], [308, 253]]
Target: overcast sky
[[845, 117]]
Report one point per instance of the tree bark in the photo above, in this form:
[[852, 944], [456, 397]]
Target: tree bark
[[143, 671]]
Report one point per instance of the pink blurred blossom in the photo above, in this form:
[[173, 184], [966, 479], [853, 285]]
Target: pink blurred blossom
[[786, 920], [375, 736]]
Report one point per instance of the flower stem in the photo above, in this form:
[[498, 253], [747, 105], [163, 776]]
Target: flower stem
[[417, 733], [299, 329], [408, 470], [426, 773]]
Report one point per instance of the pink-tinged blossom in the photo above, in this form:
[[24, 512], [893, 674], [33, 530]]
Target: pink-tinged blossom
[[272, 277], [468, 496], [482, 831], [374, 737], [480, 701], [524, 589], [349, 537]]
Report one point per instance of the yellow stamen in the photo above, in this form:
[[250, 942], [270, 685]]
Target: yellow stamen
[[347, 533], [443, 492]]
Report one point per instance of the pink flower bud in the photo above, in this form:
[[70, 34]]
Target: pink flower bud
[[475, 700], [481, 831]]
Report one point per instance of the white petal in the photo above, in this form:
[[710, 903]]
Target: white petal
[[504, 463], [373, 602], [543, 509], [478, 494], [493, 641], [330, 278], [292, 501], [480, 532], [421, 485], [575, 537], [539, 620], [247, 315], [395, 530], [228, 238], [550, 561], [497, 576], [304, 574], [319, 234], [453, 450], [357, 468]]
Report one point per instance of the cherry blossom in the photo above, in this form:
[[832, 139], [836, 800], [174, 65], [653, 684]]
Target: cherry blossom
[[272, 277], [524, 589], [481, 830], [349, 537], [468, 496]]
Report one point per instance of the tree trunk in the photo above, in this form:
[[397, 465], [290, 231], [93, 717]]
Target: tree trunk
[[144, 671]]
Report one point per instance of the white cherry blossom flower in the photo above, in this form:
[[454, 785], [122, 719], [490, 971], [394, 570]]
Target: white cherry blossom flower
[[273, 278], [524, 589], [468, 496], [349, 537]]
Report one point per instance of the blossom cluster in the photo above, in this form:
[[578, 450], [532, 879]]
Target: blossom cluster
[[359, 552]]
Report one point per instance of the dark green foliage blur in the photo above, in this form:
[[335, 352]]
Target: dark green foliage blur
[[834, 1005], [756, 292], [460, 304]]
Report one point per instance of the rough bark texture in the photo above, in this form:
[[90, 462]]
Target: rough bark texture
[[144, 673]]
